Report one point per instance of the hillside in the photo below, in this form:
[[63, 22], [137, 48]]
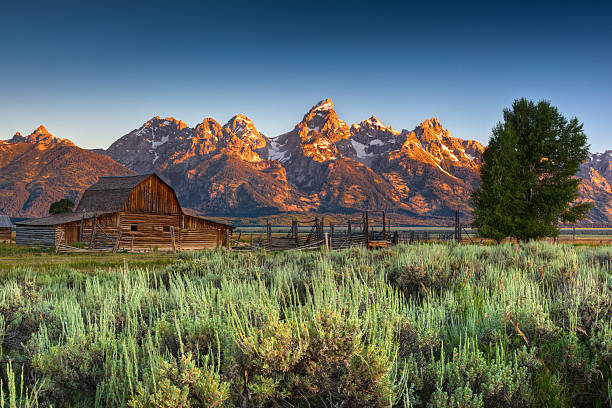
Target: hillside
[[38, 169]]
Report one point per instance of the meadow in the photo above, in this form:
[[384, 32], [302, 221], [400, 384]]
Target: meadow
[[426, 325]]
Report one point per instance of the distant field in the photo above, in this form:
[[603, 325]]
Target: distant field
[[13, 256], [410, 326]]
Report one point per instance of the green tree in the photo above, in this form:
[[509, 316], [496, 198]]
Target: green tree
[[528, 170], [64, 205]]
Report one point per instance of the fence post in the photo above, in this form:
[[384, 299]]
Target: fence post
[[92, 240], [384, 226], [349, 227], [366, 225], [294, 227], [81, 227], [322, 227], [268, 234], [326, 241]]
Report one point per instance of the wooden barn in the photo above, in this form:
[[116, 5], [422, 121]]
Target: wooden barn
[[134, 213], [6, 228]]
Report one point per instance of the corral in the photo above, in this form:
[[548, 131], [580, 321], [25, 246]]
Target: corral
[[135, 213]]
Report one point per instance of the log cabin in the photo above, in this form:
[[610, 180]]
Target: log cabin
[[6, 228], [133, 213]]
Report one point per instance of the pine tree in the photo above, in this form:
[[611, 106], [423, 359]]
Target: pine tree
[[528, 182], [64, 205]]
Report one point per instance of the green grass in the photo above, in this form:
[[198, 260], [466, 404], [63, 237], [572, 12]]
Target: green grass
[[44, 259], [424, 325]]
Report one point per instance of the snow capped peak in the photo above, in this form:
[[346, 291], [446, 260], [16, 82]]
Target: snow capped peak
[[324, 105], [432, 123], [240, 124], [41, 130], [209, 121], [240, 118], [158, 121], [39, 136], [207, 128], [373, 120]]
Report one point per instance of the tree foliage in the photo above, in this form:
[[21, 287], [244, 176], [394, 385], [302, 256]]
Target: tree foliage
[[528, 174], [64, 205]]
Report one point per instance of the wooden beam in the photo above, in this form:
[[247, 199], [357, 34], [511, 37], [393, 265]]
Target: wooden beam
[[172, 241]]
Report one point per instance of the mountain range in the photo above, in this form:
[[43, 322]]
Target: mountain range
[[323, 165]]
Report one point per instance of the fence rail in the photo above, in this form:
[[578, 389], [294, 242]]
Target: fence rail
[[371, 229]]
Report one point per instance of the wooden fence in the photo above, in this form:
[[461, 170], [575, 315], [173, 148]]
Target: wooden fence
[[371, 229]]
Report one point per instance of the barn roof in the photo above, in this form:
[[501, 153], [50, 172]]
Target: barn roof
[[106, 196], [5, 221], [109, 194], [58, 219]]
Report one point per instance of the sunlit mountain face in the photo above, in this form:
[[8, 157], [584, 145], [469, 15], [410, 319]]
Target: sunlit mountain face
[[39, 169], [322, 165]]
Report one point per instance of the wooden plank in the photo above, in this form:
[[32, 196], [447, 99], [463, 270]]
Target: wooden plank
[[39, 235]]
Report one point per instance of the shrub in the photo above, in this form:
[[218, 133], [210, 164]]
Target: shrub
[[322, 362], [72, 371], [181, 384], [469, 379]]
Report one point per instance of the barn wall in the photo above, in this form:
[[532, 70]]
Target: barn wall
[[152, 230], [195, 223], [39, 235], [152, 196], [68, 233], [5, 234], [195, 239], [145, 232]]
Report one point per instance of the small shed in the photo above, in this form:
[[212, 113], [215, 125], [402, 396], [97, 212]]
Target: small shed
[[6, 228], [137, 213]]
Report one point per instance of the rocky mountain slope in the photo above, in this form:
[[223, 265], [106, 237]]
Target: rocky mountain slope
[[596, 184], [38, 169], [323, 165]]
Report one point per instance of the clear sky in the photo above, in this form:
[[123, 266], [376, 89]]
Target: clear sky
[[94, 73]]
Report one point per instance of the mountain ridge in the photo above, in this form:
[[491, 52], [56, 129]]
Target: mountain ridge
[[38, 169], [322, 165]]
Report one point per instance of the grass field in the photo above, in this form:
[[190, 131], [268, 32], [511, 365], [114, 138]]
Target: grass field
[[12, 256], [422, 325]]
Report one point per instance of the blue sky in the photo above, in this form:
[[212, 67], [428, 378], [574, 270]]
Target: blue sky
[[94, 73]]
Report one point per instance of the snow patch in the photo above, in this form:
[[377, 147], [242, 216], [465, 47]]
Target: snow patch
[[324, 106], [448, 151], [163, 140], [360, 148], [377, 142], [275, 152]]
